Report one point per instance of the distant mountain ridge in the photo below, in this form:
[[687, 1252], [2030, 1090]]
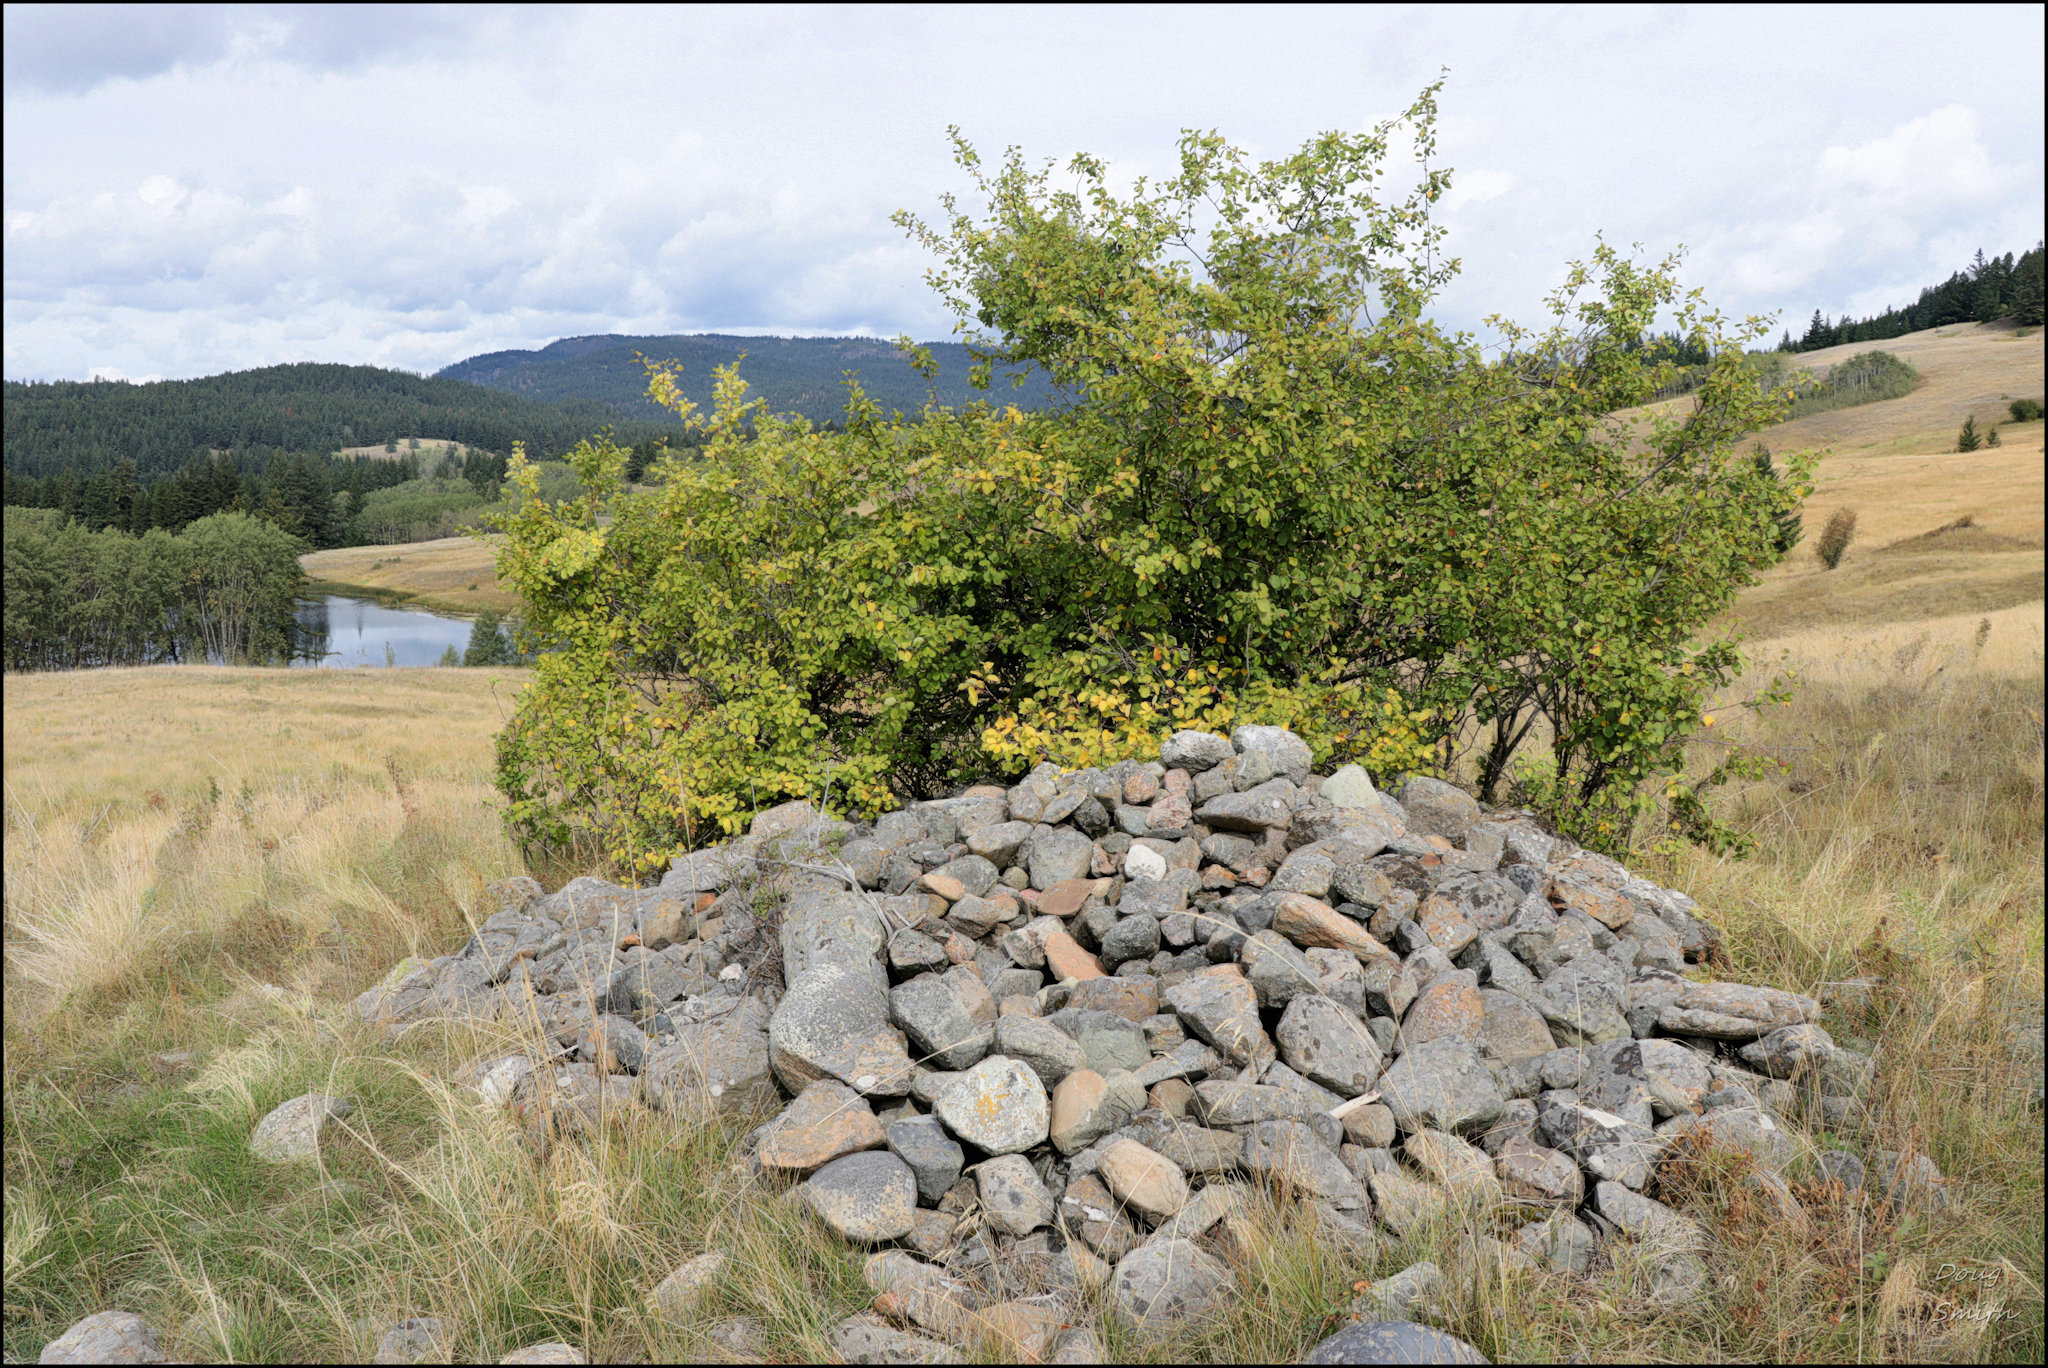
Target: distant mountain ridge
[[794, 374]]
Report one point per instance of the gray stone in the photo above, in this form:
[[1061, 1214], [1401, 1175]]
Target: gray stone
[[720, 1064], [998, 1106], [935, 1159], [1511, 1029], [1350, 787], [1134, 937], [1605, 1145], [1088, 1105], [1390, 988], [554, 1351], [999, 843], [1460, 1168], [422, 1339], [867, 1339], [105, 1337], [1058, 855], [1195, 751], [949, 1017], [1202, 1211], [1393, 1342], [1236, 1103], [1842, 1167], [1276, 969], [678, 1294], [1288, 1154], [1013, 1198], [1254, 810], [1222, 1009], [834, 1023], [293, 1131], [866, 1198], [1167, 1281], [612, 1043], [1441, 1085], [830, 927], [1328, 1045], [1735, 1011], [1048, 1051], [1198, 1149], [1790, 1051], [1398, 1297], [1077, 1344], [1436, 808], [1288, 753]]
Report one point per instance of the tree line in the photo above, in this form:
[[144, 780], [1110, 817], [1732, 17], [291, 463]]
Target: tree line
[[1991, 288], [221, 590], [88, 426]]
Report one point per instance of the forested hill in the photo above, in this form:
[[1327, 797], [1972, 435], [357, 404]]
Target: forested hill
[[794, 374], [88, 426]]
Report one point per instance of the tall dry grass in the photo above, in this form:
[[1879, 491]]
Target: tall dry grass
[[203, 864]]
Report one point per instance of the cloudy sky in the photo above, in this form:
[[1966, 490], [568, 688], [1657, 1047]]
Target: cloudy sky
[[191, 189]]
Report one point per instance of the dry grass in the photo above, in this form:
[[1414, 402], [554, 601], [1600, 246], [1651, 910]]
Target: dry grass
[[433, 574]]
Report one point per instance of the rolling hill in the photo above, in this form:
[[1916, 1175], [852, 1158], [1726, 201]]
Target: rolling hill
[[794, 374], [87, 426]]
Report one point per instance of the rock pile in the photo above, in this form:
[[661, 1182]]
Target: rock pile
[[1024, 1040]]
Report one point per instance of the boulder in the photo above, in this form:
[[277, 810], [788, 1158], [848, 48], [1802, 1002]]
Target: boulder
[[1165, 1282], [866, 1198], [933, 1156], [827, 1119], [1441, 1085], [1013, 1198], [1287, 753], [998, 1106]]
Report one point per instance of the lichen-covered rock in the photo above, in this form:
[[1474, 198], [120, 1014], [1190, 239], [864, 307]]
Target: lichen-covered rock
[[998, 1106], [827, 1119], [719, 1064], [1441, 1085], [1436, 808]]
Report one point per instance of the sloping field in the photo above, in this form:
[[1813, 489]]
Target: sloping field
[[452, 575]]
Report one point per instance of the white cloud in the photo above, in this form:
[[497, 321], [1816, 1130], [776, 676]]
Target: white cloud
[[188, 190]]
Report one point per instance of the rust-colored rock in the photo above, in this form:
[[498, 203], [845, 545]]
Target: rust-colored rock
[[1449, 1006], [945, 885], [827, 1120], [1307, 922], [1067, 960], [1068, 896], [1133, 999]]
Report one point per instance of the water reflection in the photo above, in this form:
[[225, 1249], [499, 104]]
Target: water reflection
[[346, 633]]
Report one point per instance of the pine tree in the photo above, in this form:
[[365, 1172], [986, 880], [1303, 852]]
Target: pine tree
[[1788, 523], [1967, 439]]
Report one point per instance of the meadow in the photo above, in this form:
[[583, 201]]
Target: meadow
[[204, 865], [450, 574]]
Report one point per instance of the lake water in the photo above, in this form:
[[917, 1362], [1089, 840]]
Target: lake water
[[354, 632]]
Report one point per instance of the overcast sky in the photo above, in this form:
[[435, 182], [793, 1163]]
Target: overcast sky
[[191, 189]]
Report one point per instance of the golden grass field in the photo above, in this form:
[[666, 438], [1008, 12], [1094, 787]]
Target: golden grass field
[[203, 865], [430, 574]]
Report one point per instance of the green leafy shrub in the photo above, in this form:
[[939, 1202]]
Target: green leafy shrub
[[1276, 493], [2025, 410]]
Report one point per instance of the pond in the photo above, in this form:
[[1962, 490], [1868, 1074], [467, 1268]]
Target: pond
[[346, 633]]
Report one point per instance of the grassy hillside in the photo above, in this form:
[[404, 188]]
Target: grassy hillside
[[794, 374], [451, 575]]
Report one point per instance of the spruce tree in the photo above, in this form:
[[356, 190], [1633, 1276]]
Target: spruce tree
[[1967, 439]]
